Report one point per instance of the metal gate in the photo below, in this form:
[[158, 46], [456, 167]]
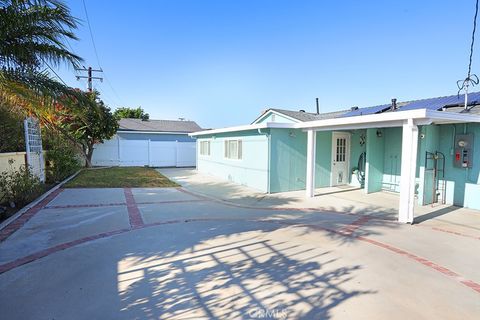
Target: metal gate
[[33, 146]]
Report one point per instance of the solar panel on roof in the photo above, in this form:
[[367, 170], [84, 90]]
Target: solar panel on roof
[[365, 111], [430, 104], [439, 103]]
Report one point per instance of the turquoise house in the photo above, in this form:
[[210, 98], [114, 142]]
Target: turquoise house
[[426, 150]]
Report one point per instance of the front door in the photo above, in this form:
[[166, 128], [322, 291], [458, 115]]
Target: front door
[[340, 158]]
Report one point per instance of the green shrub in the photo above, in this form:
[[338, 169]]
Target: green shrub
[[62, 161], [19, 187]]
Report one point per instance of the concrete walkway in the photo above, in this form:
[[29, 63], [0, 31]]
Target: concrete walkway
[[176, 254], [334, 199]]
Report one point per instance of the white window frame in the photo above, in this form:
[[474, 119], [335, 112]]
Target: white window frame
[[205, 144], [233, 153]]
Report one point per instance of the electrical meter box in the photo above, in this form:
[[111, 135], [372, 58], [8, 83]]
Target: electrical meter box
[[463, 156]]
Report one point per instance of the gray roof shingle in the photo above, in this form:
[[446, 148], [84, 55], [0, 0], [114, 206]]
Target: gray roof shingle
[[308, 116], [127, 124]]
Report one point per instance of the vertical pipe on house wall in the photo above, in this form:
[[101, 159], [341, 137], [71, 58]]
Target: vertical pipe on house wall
[[269, 155], [310, 175]]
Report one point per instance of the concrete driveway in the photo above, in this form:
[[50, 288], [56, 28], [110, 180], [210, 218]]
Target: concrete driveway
[[175, 254]]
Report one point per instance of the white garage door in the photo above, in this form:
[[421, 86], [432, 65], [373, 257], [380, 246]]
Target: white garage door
[[145, 153], [163, 153]]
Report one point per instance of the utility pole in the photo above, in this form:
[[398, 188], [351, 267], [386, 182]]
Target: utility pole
[[89, 76]]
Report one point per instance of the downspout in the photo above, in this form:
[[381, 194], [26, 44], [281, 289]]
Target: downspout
[[266, 134]]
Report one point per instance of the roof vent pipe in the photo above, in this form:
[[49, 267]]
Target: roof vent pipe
[[318, 106], [394, 104]]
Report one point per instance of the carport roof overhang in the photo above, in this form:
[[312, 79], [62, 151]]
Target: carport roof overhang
[[382, 120], [389, 119]]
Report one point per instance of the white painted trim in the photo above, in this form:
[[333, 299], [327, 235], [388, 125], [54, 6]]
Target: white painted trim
[[269, 111], [244, 128], [381, 120], [452, 116], [153, 132]]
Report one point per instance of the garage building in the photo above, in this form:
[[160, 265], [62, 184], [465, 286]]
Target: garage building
[[154, 143]]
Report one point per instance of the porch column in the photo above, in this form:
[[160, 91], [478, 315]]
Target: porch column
[[409, 165], [310, 178]]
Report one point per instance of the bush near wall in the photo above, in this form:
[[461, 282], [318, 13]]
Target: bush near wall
[[19, 187], [61, 158]]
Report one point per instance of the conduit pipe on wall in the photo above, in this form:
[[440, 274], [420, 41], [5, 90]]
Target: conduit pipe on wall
[[267, 134]]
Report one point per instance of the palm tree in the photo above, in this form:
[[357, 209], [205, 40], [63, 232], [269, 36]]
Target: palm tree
[[33, 36]]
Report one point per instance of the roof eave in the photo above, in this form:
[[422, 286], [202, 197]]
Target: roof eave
[[255, 126], [151, 132], [272, 110]]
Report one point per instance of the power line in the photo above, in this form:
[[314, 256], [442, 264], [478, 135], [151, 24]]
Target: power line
[[473, 39], [96, 52], [471, 79], [111, 87], [91, 33], [60, 78]]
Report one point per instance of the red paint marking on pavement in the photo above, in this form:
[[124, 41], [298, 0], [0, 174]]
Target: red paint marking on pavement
[[134, 215], [432, 265], [67, 245], [20, 221], [347, 231], [99, 205], [443, 270], [321, 210], [455, 233], [352, 227], [43, 253]]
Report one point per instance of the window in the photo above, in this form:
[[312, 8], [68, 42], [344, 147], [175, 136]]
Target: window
[[341, 150], [233, 149], [205, 148]]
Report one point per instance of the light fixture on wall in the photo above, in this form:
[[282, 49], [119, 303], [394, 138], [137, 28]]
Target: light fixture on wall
[[362, 139], [379, 133]]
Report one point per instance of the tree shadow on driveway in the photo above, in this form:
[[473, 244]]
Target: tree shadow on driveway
[[243, 275]]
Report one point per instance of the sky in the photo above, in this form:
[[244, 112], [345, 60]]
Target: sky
[[221, 63]]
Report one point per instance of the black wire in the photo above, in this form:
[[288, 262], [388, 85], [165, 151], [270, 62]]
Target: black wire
[[471, 79], [46, 63], [473, 40], [91, 33]]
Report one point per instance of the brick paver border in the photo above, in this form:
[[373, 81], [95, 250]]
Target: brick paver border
[[136, 222]]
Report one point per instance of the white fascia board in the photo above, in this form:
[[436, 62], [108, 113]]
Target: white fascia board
[[269, 111], [243, 128], [387, 119], [452, 116], [152, 132]]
